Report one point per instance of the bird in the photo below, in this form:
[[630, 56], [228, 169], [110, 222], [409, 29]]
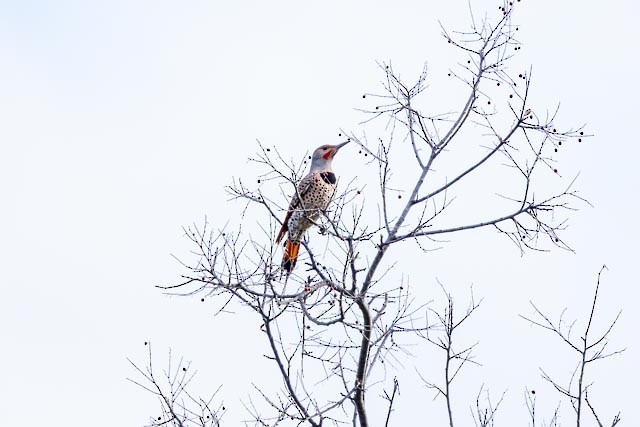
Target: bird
[[313, 195]]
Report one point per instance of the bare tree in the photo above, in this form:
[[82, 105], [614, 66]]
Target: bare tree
[[588, 348], [178, 407], [484, 414], [441, 335], [530, 399], [445, 326], [335, 326]]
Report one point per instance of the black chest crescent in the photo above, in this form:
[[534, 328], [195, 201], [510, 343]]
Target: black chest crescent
[[328, 177]]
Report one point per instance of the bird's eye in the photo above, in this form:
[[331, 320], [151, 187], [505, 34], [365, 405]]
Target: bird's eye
[[325, 148]]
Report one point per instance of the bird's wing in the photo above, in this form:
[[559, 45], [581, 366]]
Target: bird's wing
[[302, 189]]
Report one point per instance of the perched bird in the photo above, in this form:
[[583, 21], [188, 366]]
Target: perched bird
[[313, 194]]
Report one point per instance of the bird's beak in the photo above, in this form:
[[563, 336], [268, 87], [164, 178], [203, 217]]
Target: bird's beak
[[339, 146]]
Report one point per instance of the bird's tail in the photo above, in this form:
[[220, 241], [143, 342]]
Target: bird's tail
[[290, 256]]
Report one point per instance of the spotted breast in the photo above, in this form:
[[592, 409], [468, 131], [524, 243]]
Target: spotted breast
[[313, 195]]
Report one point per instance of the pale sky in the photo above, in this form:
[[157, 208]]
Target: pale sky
[[122, 121]]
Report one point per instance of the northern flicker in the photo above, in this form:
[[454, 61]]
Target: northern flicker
[[313, 195]]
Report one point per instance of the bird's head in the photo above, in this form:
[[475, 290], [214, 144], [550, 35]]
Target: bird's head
[[323, 155]]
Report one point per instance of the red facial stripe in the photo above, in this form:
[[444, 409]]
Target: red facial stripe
[[327, 154]]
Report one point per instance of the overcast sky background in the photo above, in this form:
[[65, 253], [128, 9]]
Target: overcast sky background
[[122, 121]]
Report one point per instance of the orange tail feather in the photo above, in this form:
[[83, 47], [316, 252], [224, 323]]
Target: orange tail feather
[[290, 256]]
